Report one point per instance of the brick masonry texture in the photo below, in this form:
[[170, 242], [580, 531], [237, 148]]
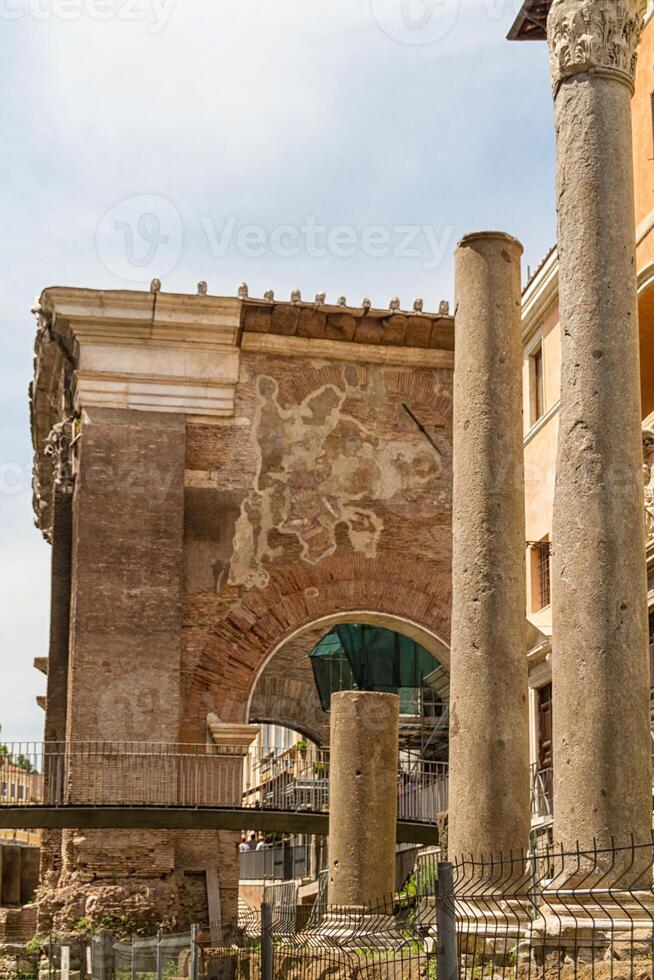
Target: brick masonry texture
[[55, 719], [325, 498], [205, 552]]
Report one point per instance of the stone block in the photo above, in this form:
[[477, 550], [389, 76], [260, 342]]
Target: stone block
[[10, 892]]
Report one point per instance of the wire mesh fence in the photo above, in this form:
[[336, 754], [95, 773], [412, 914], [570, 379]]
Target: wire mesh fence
[[582, 913], [389, 940], [546, 914]]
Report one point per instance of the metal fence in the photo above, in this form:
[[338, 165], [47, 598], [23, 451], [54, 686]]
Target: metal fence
[[163, 774], [557, 913], [283, 861], [548, 915], [542, 792], [391, 940]]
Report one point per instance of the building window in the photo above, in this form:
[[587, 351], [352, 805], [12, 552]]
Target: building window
[[536, 385], [541, 594], [544, 695]]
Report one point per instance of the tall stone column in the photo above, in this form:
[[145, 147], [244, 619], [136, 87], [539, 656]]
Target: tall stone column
[[602, 762], [362, 798], [489, 725]]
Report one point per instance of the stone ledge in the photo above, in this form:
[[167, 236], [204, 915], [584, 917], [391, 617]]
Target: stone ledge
[[331, 350], [349, 324]]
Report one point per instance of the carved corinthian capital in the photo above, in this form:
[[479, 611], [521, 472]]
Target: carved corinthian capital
[[586, 35]]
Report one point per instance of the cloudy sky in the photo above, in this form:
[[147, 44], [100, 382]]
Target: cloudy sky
[[338, 145]]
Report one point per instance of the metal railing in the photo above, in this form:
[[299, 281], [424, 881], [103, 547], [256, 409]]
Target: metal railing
[[549, 914], [542, 792], [163, 774], [422, 791], [276, 862]]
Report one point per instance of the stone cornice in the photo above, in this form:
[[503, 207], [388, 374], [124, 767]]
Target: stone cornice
[[130, 317], [180, 353], [126, 349], [350, 325], [233, 736], [598, 36], [336, 350], [644, 227], [147, 351], [541, 292]]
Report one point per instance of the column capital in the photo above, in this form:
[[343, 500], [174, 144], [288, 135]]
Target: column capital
[[594, 36]]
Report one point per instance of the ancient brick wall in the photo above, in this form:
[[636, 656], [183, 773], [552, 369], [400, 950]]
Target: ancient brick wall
[[124, 667], [210, 554], [323, 496], [57, 688]]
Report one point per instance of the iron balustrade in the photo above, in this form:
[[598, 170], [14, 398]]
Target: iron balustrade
[[276, 862], [164, 774], [542, 792]]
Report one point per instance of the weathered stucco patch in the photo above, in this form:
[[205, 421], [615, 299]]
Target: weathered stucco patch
[[319, 467]]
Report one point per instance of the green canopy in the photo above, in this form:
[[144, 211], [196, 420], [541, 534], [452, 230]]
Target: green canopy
[[370, 658]]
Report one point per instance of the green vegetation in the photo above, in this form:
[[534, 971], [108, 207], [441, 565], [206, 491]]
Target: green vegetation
[[22, 762]]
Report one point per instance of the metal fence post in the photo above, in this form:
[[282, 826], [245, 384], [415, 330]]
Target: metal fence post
[[158, 953], [65, 962], [107, 958], [133, 966], [266, 942], [195, 953], [447, 959]]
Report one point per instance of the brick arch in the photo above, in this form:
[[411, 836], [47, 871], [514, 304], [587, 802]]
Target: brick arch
[[284, 691], [408, 594], [287, 702]]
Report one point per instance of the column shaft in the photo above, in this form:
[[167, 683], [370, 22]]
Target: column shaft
[[363, 797], [602, 754], [489, 735]]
